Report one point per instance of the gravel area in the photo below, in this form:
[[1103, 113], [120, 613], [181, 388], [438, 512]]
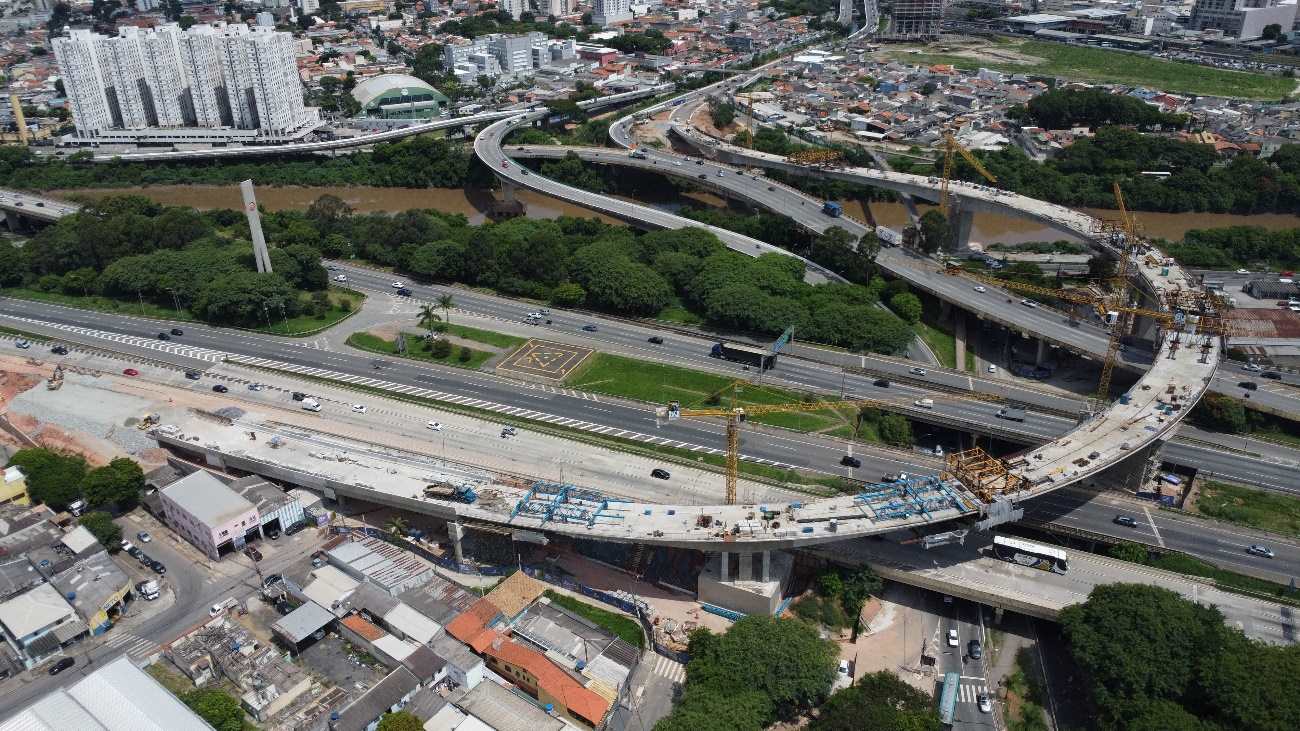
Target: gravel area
[[85, 406]]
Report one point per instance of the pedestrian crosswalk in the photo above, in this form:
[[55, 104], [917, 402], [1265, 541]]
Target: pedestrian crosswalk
[[670, 669], [967, 693], [134, 645]]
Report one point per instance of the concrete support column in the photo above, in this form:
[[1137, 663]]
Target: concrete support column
[[962, 226], [767, 566], [724, 566], [456, 531], [14, 220], [746, 570], [1042, 352], [507, 191], [997, 614], [959, 336]]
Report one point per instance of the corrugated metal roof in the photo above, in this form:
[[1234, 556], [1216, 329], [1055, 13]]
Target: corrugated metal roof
[[299, 624]]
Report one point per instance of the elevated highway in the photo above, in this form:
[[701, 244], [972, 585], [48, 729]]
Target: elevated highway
[[18, 205]]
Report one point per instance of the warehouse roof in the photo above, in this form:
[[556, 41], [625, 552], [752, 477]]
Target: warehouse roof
[[375, 87], [302, 622]]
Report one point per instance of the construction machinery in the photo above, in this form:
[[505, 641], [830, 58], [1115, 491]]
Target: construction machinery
[[737, 415], [952, 148], [55, 381]]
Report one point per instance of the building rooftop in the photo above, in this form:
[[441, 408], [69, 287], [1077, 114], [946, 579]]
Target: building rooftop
[[505, 710], [302, 622], [515, 592], [35, 609], [383, 564], [80, 540], [366, 630], [411, 623], [117, 696], [264, 495], [376, 701], [207, 499], [17, 575], [473, 621], [455, 652], [551, 679], [330, 587], [91, 582]]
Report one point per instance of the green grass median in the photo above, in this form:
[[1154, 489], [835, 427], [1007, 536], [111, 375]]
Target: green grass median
[[1267, 511], [419, 349]]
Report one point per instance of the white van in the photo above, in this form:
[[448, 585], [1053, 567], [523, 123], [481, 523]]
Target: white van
[[148, 589], [310, 404], [925, 403], [76, 507]]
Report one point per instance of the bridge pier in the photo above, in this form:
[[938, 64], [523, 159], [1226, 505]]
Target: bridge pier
[[962, 226], [456, 532], [14, 221], [1041, 357], [746, 590]]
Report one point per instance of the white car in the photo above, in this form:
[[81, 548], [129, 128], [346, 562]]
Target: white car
[[398, 285], [127, 545], [924, 403], [1251, 367], [22, 344], [341, 278], [952, 638], [916, 371], [433, 426], [980, 288], [993, 368], [1243, 271], [986, 706], [216, 609], [1029, 303], [143, 537], [358, 408]]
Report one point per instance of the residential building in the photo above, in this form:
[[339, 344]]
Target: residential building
[[96, 588], [39, 623], [389, 694], [608, 12], [557, 8], [13, 489], [275, 507], [309, 7], [515, 8], [497, 707], [216, 519], [116, 696], [916, 18], [464, 668], [165, 84], [535, 673], [1242, 19], [514, 53]]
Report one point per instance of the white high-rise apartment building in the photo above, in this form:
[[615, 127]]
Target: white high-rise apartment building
[[607, 12], [516, 8], [557, 8], [172, 85]]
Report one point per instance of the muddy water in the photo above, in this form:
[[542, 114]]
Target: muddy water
[[472, 203], [989, 228], [992, 228]]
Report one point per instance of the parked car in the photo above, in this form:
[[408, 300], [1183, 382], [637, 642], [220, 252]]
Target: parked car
[[660, 473], [193, 375], [255, 387], [22, 344], [986, 705], [158, 568], [220, 388], [253, 553], [358, 408], [952, 638], [271, 580], [1271, 375], [433, 426], [273, 533], [126, 545], [143, 537], [62, 665]]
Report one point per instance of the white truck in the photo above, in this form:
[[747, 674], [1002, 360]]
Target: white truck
[[147, 589], [310, 404]]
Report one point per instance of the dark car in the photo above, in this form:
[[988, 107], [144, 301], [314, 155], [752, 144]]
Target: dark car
[[1249, 385], [299, 395], [1271, 375], [62, 665], [177, 332], [253, 553], [1126, 521], [589, 328], [404, 292], [974, 649], [699, 162], [59, 350], [295, 528], [193, 375], [271, 580], [164, 336], [660, 473], [702, 176], [219, 388], [849, 460], [158, 568], [656, 340], [134, 552], [771, 187], [273, 533], [881, 383]]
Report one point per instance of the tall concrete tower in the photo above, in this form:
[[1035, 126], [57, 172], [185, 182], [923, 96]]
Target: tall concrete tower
[[260, 254]]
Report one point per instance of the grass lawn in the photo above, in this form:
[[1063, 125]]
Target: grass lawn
[[487, 337], [1097, 64], [626, 628], [415, 350], [300, 325], [1270, 511], [679, 314], [942, 343]]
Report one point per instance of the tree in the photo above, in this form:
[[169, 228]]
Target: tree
[[1221, 413], [935, 233], [396, 525], [446, 302], [859, 585], [52, 479], [722, 113], [830, 585], [102, 527], [119, 483], [400, 721], [568, 294], [879, 701], [1131, 552], [907, 306], [440, 349], [895, 430], [1101, 267], [217, 708], [428, 317], [1271, 32]]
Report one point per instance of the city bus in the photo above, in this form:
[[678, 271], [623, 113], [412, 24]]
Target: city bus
[[948, 698], [1029, 554]]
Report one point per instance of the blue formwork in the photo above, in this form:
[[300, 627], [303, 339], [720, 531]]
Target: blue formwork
[[897, 500], [553, 501]]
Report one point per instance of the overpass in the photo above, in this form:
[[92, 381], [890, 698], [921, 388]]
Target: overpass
[[20, 206]]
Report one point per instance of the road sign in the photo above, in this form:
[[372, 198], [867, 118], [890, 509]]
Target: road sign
[[783, 341]]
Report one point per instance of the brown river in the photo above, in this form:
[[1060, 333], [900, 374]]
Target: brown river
[[989, 228]]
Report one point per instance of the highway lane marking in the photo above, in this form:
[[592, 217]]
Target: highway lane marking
[[1154, 529]]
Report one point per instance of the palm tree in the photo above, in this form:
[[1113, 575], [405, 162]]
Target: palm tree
[[396, 525], [446, 303], [428, 317]]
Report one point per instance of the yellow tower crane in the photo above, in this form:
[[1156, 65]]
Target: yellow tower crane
[[952, 148], [1120, 302], [737, 415]]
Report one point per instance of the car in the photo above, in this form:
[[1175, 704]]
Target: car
[[702, 176], [1029, 303], [1243, 271], [974, 649], [144, 559], [62, 665], [699, 162], [317, 561], [253, 553], [916, 371], [590, 328], [158, 568], [130, 372], [1125, 520], [993, 368], [297, 395], [1258, 550], [216, 609], [507, 432], [1249, 385], [1251, 367], [295, 528], [660, 473], [271, 580], [655, 339], [193, 375], [341, 278], [126, 545], [164, 336], [505, 164], [59, 350], [22, 344], [433, 426], [771, 187], [849, 460], [143, 537], [1271, 375], [980, 288], [720, 173], [986, 706], [177, 332], [403, 292], [358, 408], [219, 388], [523, 171], [925, 403], [255, 387], [952, 638], [398, 285], [134, 552], [881, 383], [273, 533]]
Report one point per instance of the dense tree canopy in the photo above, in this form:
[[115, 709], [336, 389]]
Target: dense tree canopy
[[52, 478], [216, 707], [761, 670], [1153, 660], [117, 483], [1065, 108], [400, 721], [1231, 247], [879, 701], [102, 527]]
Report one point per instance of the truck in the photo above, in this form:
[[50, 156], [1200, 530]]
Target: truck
[[310, 404], [447, 491], [147, 589], [832, 209], [750, 355], [637, 155], [1011, 414], [889, 237]]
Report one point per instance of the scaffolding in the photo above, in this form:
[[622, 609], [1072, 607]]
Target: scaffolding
[[560, 503], [983, 474], [903, 499]]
